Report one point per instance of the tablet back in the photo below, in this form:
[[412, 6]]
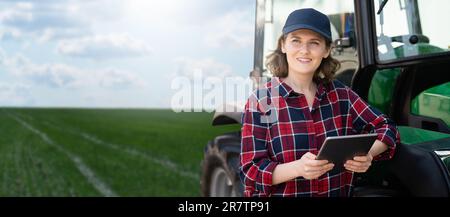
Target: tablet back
[[342, 148]]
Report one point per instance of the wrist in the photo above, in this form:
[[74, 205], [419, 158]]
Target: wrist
[[297, 168]]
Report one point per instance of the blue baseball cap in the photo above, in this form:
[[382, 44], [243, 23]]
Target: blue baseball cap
[[308, 18]]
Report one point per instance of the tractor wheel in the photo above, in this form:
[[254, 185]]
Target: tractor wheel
[[220, 176]]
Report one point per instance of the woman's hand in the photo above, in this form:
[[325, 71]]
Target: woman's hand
[[359, 164], [310, 168]]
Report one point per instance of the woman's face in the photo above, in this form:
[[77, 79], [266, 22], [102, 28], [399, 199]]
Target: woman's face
[[304, 50]]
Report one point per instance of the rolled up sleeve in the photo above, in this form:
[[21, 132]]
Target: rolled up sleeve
[[256, 168], [367, 119]]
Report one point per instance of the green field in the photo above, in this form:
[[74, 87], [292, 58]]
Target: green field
[[103, 152]]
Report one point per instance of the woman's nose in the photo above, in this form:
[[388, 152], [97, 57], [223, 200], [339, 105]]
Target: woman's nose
[[304, 48]]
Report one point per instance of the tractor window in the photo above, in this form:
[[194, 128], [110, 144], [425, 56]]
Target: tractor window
[[411, 28], [341, 14]]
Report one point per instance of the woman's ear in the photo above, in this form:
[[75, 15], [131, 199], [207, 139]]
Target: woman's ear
[[327, 53], [283, 50]]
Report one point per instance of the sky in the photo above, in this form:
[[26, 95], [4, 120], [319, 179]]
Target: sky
[[119, 53]]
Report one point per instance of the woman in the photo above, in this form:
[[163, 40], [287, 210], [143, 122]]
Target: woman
[[278, 156]]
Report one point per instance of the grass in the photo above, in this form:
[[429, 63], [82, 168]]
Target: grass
[[103, 152]]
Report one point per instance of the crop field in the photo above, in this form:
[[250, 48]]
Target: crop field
[[103, 152]]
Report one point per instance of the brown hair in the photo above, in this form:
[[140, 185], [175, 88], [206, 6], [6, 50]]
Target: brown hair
[[277, 63]]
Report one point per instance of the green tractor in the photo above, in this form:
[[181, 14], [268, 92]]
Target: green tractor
[[395, 54]]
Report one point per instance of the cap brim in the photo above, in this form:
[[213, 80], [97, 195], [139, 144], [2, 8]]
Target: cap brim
[[292, 28]]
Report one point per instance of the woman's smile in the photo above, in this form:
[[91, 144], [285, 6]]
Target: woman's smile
[[303, 60]]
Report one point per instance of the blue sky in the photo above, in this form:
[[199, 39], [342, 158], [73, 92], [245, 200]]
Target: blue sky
[[117, 53]]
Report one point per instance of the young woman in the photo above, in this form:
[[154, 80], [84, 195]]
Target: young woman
[[278, 156]]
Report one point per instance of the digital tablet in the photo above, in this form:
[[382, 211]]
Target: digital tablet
[[339, 149]]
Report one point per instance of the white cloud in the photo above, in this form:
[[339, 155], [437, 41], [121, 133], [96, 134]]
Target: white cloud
[[15, 95], [49, 34], [206, 83], [235, 29], [20, 13], [113, 78], [65, 76], [10, 33], [48, 19], [11, 62], [104, 46], [59, 75], [208, 67], [30, 17]]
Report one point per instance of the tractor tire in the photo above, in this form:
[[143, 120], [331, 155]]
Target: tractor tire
[[220, 167]]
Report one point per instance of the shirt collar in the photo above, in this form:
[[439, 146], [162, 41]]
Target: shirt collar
[[285, 90]]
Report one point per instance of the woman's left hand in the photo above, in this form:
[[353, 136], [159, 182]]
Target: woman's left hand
[[359, 164]]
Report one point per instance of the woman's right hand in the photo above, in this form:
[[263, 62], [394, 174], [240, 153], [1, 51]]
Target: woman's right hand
[[310, 168]]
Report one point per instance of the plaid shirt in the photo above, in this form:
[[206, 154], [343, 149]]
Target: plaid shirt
[[336, 111]]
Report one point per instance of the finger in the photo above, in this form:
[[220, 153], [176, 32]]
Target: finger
[[326, 168], [360, 171], [310, 155], [318, 163], [350, 168], [355, 163], [322, 168], [309, 169], [361, 158], [310, 175], [355, 168], [315, 175], [365, 164]]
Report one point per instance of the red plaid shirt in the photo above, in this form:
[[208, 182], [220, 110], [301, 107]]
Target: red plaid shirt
[[336, 111]]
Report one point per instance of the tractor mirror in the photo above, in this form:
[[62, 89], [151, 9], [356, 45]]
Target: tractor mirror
[[343, 42]]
